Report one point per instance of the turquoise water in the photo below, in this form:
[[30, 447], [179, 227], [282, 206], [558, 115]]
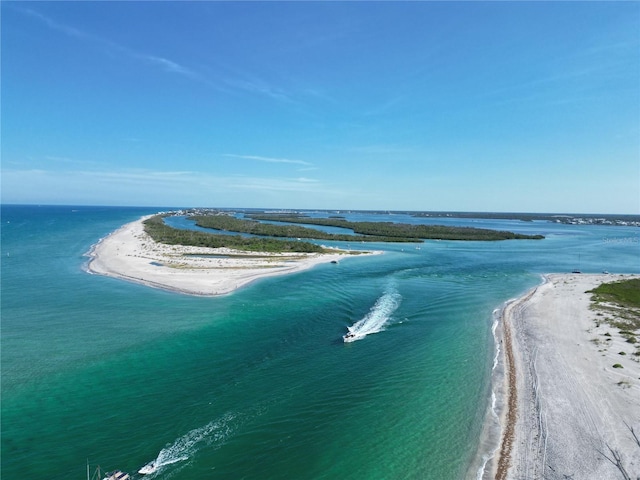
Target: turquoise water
[[258, 384]]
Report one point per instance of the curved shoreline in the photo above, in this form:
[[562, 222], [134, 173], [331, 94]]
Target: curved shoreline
[[563, 407], [496, 438], [130, 254], [510, 410]]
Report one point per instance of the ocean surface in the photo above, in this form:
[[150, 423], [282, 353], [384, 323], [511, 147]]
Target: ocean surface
[[259, 384]]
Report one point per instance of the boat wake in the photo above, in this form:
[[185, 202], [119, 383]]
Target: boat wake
[[377, 317], [187, 445]]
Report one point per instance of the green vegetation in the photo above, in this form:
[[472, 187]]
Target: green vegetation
[[617, 365], [625, 293], [232, 224], [279, 238], [621, 301], [401, 232], [162, 233]]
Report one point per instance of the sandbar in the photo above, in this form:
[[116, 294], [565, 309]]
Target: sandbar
[[565, 410], [131, 254]]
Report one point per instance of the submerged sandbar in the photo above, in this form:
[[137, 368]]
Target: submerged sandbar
[[131, 254]]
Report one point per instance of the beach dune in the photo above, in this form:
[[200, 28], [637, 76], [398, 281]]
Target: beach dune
[[567, 411], [131, 254]]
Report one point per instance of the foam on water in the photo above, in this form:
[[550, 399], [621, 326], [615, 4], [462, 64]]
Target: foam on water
[[187, 445], [377, 317]]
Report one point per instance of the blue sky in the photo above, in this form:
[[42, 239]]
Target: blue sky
[[474, 106]]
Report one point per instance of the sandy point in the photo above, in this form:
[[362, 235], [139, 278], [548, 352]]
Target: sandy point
[[131, 254]]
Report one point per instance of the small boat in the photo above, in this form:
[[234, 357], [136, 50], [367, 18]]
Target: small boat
[[349, 337], [148, 469], [117, 475]]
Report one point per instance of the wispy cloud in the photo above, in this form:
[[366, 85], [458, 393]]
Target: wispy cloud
[[384, 107], [260, 87], [381, 149], [54, 158], [151, 186], [236, 82], [164, 64], [584, 71], [65, 162], [268, 159], [73, 32], [275, 184]]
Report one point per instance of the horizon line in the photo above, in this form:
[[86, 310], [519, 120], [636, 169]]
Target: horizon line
[[357, 210]]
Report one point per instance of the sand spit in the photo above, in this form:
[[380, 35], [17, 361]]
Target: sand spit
[[567, 411], [130, 254]]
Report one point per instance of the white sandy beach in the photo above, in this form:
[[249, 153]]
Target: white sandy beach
[[569, 413], [130, 254]]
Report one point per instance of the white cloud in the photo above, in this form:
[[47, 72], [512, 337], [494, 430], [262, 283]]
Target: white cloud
[[73, 32], [238, 82], [155, 187], [260, 87], [381, 149], [164, 63], [302, 185], [268, 159], [55, 158]]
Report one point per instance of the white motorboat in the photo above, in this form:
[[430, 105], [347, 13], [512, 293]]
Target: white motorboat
[[117, 475], [148, 468], [350, 337]]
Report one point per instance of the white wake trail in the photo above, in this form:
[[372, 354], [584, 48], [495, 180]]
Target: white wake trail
[[187, 445], [377, 317]]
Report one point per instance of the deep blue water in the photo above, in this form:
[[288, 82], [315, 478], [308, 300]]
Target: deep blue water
[[259, 384]]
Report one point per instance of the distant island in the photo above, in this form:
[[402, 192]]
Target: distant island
[[565, 218], [400, 232], [270, 237]]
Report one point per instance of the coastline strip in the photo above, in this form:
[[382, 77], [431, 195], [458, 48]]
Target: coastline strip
[[572, 399], [504, 456], [509, 416], [129, 253]]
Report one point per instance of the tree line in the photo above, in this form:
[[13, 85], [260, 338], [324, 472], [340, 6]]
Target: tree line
[[162, 233], [402, 231], [231, 224]]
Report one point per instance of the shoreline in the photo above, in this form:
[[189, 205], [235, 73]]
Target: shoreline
[[560, 406], [130, 254]]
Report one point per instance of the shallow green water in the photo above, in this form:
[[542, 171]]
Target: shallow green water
[[259, 384]]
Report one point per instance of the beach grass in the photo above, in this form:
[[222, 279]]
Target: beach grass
[[626, 293], [622, 299]]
